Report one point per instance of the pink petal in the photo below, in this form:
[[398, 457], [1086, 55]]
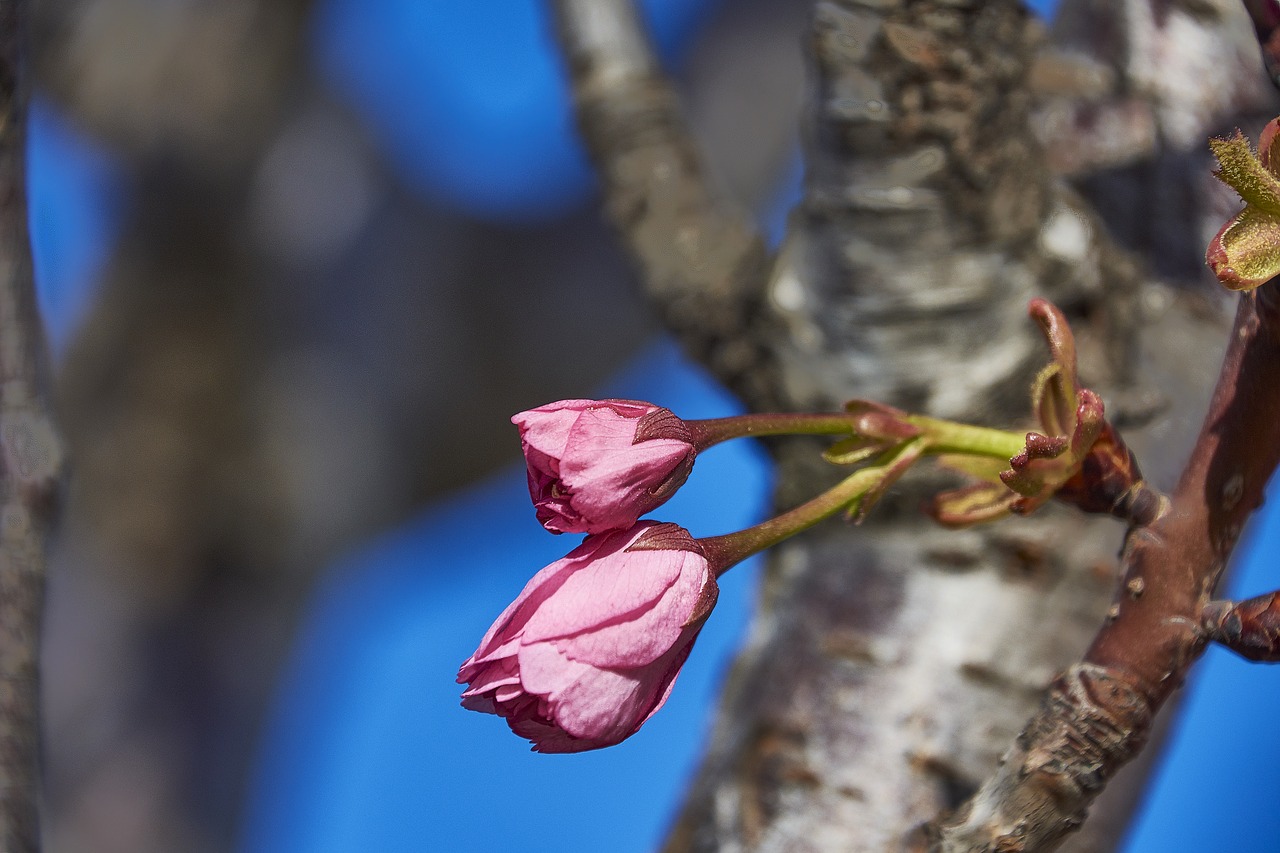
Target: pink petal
[[481, 704], [542, 471], [616, 485], [640, 638], [635, 409], [586, 701], [539, 588], [616, 585], [672, 672], [484, 677], [507, 693], [473, 665], [557, 515], [549, 738], [600, 428], [546, 428]]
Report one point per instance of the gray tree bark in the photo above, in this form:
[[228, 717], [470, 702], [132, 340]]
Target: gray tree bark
[[176, 489], [31, 460], [889, 666]]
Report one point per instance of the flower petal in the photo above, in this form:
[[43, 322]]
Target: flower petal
[[490, 676], [613, 485], [669, 678], [547, 737], [586, 701], [511, 622], [546, 428], [620, 586], [642, 637], [597, 704]]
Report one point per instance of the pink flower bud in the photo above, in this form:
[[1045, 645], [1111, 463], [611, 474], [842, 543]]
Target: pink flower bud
[[591, 647], [597, 465]]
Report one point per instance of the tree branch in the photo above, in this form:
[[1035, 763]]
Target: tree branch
[[31, 464], [1265, 15], [1099, 712], [930, 218], [703, 263], [1250, 628]]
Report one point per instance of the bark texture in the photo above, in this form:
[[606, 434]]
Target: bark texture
[[702, 261], [889, 666], [31, 464], [1098, 714]]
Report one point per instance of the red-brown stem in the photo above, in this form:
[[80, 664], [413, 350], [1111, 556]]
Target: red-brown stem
[[715, 430], [1180, 558], [1097, 714], [1250, 628]]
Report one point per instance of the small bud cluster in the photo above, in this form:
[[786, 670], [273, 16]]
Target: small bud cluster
[[1076, 456], [592, 645]]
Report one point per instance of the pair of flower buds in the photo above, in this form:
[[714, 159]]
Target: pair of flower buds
[[591, 647], [589, 650]]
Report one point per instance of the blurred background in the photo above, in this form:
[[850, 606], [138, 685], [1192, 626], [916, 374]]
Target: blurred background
[[299, 263]]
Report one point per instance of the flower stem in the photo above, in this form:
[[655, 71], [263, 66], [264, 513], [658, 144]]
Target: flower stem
[[952, 437], [716, 430], [944, 436], [731, 548]]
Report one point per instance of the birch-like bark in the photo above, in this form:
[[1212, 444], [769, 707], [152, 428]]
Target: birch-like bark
[[890, 666], [31, 465], [1097, 715], [702, 262]]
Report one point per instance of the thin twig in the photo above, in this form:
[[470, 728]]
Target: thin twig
[[1098, 714], [702, 261], [1249, 628], [31, 462]]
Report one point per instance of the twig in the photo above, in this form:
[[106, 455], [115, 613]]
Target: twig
[[31, 462], [1250, 628], [1099, 712], [703, 263]]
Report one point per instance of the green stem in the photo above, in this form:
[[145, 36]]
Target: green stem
[[716, 430], [944, 436], [951, 437], [731, 548]]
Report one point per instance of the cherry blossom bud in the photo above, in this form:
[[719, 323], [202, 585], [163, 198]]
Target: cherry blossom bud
[[591, 647], [597, 465]]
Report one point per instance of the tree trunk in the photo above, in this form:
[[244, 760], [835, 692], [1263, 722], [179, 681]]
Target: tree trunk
[[891, 664]]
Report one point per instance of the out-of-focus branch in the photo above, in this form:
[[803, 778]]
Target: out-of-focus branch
[[1098, 713], [702, 262], [168, 404], [1265, 15], [30, 466]]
